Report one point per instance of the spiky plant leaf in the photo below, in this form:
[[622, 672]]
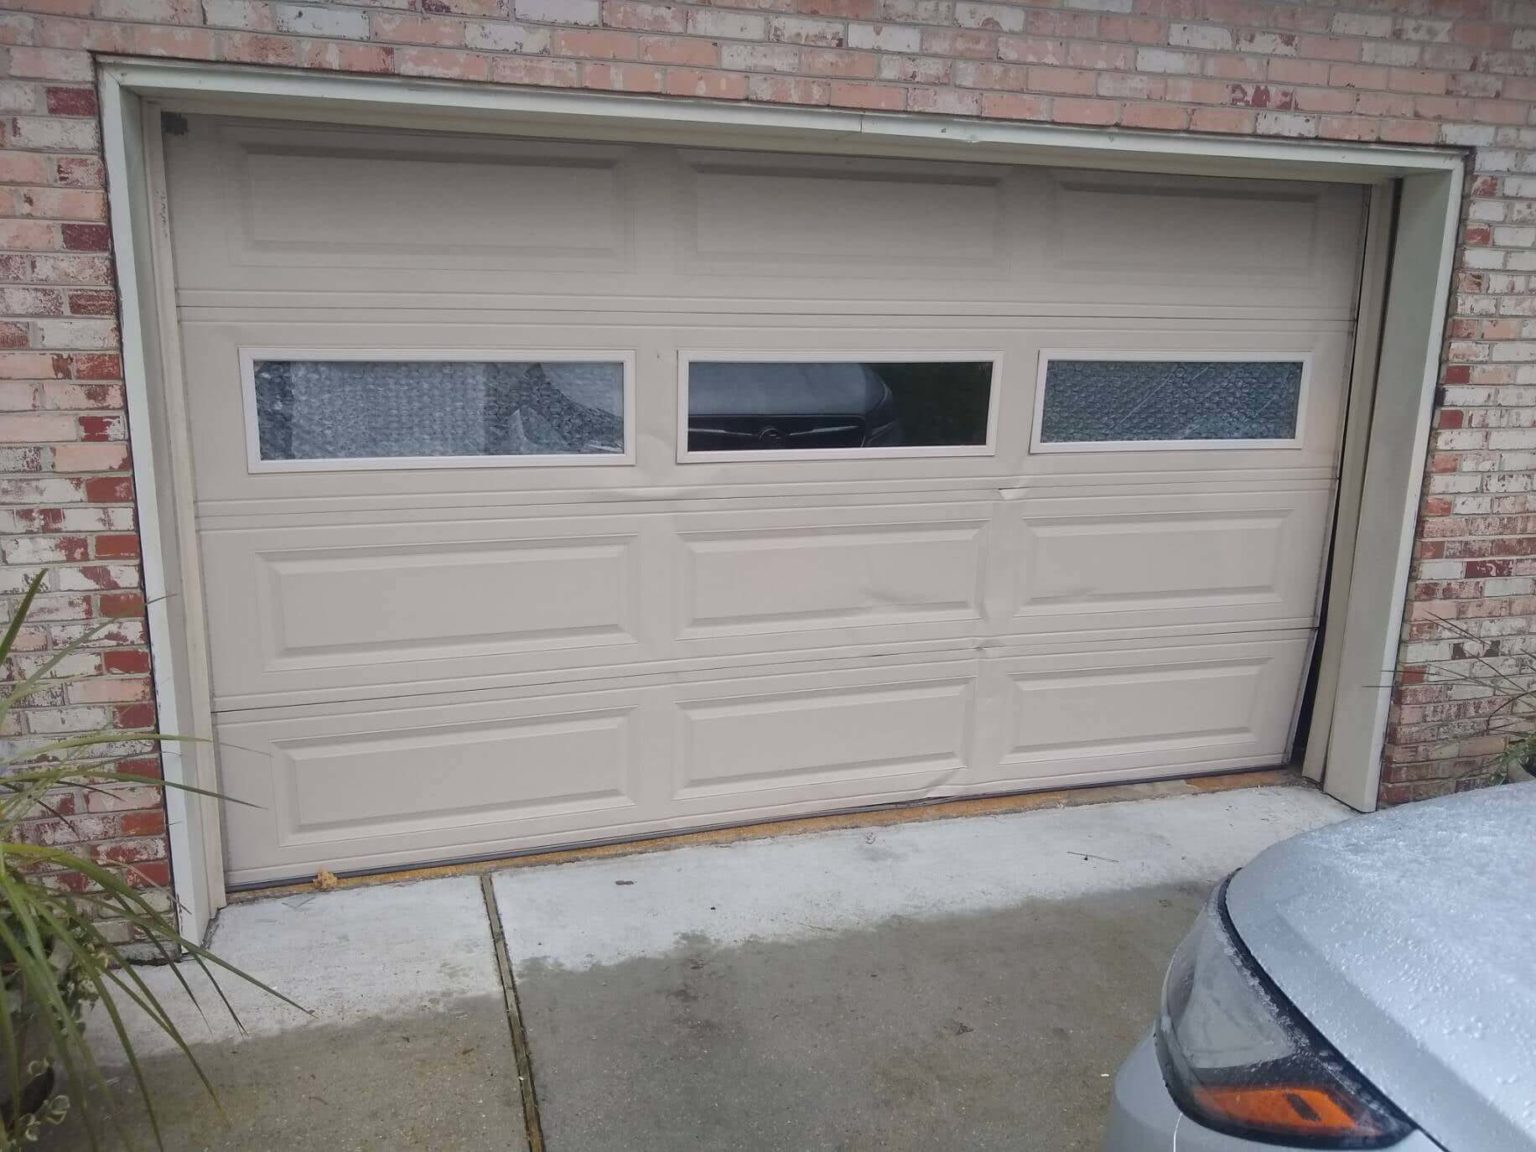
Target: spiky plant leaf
[[55, 961]]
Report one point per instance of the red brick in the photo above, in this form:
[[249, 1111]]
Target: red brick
[[595, 45], [1355, 76], [95, 366], [348, 57], [1015, 106], [440, 64], [1409, 132], [885, 97], [1032, 50], [255, 48], [687, 51], [86, 237], [529, 70], [788, 90], [831, 62], [1008, 77], [968, 45], [144, 823], [23, 168], [100, 428], [1166, 117], [134, 716], [1071, 110], [645, 17], [1134, 30], [848, 9], [403, 28], [80, 172], [1235, 121], [115, 546], [1323, 100], [121, 603], [944, 101], [1418, 82], [71, 102], [624, 77], [125, 660], [50, 64], [1288, 70], [713, 85], [147, 767], [30, 235], [108, 490], [1361, 128], [90, 303], [1265, 96], [151, 873], [1102, 56], [1068, 81]]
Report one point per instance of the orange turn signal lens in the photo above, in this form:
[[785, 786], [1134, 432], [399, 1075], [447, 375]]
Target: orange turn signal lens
[[1283, 1110]]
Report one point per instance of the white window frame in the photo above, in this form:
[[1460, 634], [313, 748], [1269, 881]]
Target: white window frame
[[686, 359], [1047, 356], [256, 465]]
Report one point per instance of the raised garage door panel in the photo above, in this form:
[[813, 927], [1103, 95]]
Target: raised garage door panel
[[349, 607], [421, 658], [1220, 705], [1152, 560], [692, 230]]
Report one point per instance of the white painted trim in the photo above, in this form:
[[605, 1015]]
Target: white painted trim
[[837, 356], [255, 464], [131, 212], [1338, 559], [297, 94], [126, 83], [1048, 355], [1424, 250]]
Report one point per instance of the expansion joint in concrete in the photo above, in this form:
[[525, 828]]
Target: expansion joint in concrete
[[520, 1049]]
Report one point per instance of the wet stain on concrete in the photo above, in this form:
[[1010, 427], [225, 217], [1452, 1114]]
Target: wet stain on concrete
[[983, 1031]]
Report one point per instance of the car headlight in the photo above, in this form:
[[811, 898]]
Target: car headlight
[[1238, 1058]]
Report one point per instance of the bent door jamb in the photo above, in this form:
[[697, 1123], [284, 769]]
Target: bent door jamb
[[1339, 566]]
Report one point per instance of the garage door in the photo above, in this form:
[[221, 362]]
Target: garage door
[[550, 492]]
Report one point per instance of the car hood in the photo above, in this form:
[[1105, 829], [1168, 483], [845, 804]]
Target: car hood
[[1408, 938]]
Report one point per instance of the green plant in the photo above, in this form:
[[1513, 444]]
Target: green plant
[[56, 957]]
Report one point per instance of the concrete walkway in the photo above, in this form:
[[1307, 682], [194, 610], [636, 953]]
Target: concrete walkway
[[968, 984]]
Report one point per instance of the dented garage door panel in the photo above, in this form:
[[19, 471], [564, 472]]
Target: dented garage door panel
[[463, 654], [391, 783]]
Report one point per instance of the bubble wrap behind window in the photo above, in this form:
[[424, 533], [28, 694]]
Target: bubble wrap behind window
[[351, 409], [1099, 400]]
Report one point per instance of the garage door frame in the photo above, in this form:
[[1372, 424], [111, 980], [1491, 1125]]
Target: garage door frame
[[1379, 506]]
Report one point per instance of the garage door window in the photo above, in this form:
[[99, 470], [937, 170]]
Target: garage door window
[[328, 411], [780, 408], [1092, 403]]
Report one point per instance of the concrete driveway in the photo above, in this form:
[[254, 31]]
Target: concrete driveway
[[967, 984]]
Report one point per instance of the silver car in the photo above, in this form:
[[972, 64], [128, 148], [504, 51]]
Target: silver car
[[1368, 985]]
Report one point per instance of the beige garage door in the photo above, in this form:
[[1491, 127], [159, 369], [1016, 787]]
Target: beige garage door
[[551, 492]]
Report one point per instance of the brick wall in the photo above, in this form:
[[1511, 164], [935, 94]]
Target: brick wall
[[1446, 72]]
